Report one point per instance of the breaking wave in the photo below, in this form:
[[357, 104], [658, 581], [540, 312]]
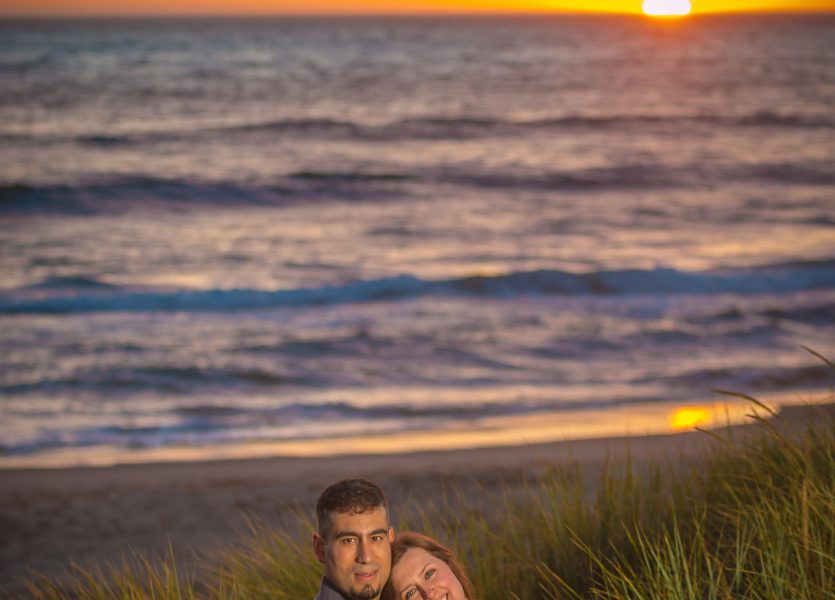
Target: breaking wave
[[781, 278], [437, 127], [119, 194]]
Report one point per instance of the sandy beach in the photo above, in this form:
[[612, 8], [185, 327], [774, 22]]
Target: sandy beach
[[51, 517]]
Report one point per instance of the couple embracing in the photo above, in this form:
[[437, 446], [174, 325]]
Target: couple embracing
[[365, 560]]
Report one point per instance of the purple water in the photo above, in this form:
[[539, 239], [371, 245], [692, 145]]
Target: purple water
[[214, 231]]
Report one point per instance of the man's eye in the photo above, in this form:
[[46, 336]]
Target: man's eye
[[377, 538], [429, 573], [348, 540]]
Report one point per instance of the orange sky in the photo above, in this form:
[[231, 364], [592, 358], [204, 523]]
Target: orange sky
[[220, 7]]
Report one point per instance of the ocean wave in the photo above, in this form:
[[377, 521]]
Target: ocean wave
[[460, 127], [171, 379], [119, 194], [347, 176], [116, 194], [219, 423], [812, 314], [821, 173], [779, 278], [83, 282], [113, 195], [346, 410], [434, 127], [627, 176], [306, 127], [752, 378]]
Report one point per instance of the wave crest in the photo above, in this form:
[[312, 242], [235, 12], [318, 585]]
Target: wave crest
[[780, 278]]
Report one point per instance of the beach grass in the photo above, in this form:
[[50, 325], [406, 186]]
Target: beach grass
[[753, 518]]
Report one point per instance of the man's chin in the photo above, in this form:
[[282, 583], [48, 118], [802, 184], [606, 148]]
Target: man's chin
[[367, 592]]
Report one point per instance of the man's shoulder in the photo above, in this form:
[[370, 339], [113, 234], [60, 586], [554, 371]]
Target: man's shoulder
[[327, 591]]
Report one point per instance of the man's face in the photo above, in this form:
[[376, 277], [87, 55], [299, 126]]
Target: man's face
[[357, 552]]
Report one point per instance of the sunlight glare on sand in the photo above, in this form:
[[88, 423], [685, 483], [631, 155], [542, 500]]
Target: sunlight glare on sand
[[666, 8]]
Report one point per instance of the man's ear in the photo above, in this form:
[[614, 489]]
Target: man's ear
[[391, 535], [319, 547]]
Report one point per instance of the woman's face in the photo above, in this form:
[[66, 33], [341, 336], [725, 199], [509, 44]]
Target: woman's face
[[419, 576]]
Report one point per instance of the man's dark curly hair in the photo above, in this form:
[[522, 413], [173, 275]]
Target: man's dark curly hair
[[354, 495]]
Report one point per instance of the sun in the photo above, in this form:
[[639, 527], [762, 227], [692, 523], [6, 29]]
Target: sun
[[666, 8]]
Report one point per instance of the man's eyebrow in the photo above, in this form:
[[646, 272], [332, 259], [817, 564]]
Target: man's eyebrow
[[341, 534]]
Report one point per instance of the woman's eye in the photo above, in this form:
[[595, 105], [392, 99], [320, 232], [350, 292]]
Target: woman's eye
[[429, 573], [409, 594]]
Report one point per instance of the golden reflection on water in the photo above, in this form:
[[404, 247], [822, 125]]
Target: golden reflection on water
[[632, 420], [689, 417]]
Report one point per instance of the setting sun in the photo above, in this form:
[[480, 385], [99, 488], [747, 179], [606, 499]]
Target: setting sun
[[655, 8], [666, 8]]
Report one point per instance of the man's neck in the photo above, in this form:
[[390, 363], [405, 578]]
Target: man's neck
[[327, 583]]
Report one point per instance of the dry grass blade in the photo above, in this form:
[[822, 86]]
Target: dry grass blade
[[819, 356], [751, 399]]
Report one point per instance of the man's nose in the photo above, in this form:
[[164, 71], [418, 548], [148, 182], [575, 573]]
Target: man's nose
[[363, 552]]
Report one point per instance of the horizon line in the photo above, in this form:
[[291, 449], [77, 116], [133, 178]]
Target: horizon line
[[394, 14]]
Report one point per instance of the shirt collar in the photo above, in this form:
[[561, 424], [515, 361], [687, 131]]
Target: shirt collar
[[328, 591]]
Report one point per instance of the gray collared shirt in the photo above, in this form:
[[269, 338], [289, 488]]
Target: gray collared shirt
[[328, 591]]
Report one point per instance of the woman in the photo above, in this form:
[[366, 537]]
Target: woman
[[422, 568]]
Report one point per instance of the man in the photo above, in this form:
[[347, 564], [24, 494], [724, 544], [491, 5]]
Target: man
[[353, 540]]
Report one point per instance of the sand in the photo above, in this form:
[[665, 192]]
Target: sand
[[51, 517]]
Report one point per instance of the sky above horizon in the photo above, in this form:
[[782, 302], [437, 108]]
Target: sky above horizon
[[279, 7]]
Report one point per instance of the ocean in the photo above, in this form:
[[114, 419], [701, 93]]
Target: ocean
[[226, 231]]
